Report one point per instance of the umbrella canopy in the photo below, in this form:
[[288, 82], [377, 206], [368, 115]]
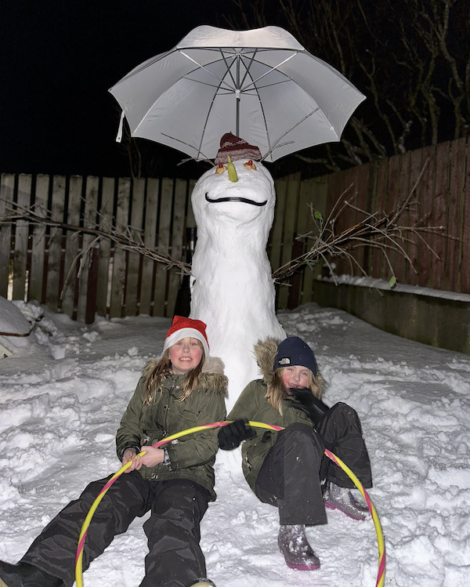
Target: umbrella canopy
[[260, 84]]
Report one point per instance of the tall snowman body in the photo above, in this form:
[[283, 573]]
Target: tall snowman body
[[232, 289]]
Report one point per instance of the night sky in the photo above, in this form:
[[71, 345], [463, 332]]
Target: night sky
[[59, 58]]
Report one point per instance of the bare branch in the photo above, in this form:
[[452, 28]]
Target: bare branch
[[378, 230], [125, 241]]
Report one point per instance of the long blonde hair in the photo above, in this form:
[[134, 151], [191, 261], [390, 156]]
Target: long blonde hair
[[277, 392], [155, 371]]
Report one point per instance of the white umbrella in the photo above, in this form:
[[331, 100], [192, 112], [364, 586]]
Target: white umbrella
[[260, 84]]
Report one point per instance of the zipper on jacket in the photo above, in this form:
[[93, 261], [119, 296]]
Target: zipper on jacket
[[166, 408]]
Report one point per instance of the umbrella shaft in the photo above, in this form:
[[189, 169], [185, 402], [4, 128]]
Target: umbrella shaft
[[237, 120]]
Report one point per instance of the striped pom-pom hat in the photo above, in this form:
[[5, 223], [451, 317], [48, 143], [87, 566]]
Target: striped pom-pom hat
[[236, 148]]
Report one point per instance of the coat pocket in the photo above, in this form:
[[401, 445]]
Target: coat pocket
[[190, 418]]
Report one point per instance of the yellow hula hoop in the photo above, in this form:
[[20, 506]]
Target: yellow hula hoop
[[334, 458]]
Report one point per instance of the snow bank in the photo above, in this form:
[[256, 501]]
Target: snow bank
[[61, 402], [402, 287]]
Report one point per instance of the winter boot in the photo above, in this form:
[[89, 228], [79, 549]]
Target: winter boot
[[203, 583], [297, 551], [341, 498], [24, 575]]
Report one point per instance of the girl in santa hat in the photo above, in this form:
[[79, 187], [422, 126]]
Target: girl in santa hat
[[286, 468], [183, 389]]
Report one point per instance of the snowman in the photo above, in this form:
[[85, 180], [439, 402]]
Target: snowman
[[231, 286]]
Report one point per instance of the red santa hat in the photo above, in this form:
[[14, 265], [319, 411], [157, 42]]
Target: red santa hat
[[184, 327], [236, 148]]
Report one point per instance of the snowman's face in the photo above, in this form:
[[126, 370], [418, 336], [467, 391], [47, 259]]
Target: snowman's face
[[217, 199]]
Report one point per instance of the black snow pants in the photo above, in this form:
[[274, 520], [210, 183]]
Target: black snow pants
[[175, 558], [291, 474]]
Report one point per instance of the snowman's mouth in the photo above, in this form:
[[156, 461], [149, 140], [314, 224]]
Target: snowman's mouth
[[234, 199]]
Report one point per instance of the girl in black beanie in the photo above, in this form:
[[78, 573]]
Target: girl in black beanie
[[288, 469]]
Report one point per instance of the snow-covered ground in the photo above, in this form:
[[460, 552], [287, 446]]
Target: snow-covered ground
[[63, 391]]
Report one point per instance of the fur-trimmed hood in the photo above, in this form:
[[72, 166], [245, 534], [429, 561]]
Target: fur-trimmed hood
[[265, 352], [212, 375]]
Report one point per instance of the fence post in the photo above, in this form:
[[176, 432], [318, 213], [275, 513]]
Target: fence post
[[92, 285], [71, 246], [55, 243], [20, 253], [6, 198], [89, 221], [105, 223], [183, 299], [38, 245]]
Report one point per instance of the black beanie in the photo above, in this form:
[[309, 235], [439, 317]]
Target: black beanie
[[293, 351]]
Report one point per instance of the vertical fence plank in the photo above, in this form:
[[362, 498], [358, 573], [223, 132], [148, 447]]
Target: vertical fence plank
[[391, 201], [440, 211], [370, 207], [381, 194], [38, 243], [362, 183], [461, 267], [275, 237], [416, 166], [55, 243], [190, 220], [304, 225], [150, 232], [134, 259], [71, 246], [21, 240], [90, 312], [89, 221], [176, 243], [348, 219], [161, 274], [426, 197], [105, 223], [455, 215], [7, 189], [345, 188], [399, 261], [315, 192], [331, 209], [293, 189], [465, 259], [119, 259]]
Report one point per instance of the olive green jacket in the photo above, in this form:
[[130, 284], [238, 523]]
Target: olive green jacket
[[253, 405], [191, 457]]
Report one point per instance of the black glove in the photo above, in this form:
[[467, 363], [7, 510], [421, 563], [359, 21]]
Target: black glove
[[308, 403], [232, 434]]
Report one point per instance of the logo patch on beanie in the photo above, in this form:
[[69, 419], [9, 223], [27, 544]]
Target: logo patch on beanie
[[284, 361]]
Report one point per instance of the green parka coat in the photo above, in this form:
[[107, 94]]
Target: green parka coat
[[253, 405], [192, 457]]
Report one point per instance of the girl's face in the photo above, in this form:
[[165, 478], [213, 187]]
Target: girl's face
[[295, 377], [185, 355]]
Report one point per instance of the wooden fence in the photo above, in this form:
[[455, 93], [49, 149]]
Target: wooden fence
[[443, 193], [40, 263]]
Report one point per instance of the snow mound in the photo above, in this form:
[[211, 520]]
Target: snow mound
[[12, 320]]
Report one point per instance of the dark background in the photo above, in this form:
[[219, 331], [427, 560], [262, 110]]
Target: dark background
[[58, 60]]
